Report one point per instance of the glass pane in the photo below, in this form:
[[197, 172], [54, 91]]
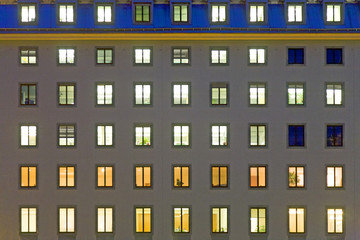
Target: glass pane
[[108, 13], [253, 13], [215, 219], [147, 136], [215, 177], [262, 135], [101, 176], [292, 220], [147, 55], [109, 219], [147, 176], [223, 95], [215, 13], [254, 227], [108, 94], [185, 220], [185, 135], [262, 177], [261, 55], [223, 220], [331, 220], [177, 220], [147, 219], [62, 220], [109, 135], [32, 219], [329, 13], [139, 220], [32, 135], [139, 136], [32, 176], [338, 177], [330, 177], [71, 176], [177, 177], [71, 220], [24, 135], [185, 176], [291, 13], [101, 220], [253, 135], [24, 220], [147, 94], [139, 177], [253, 177], [185, 94], [300, 220], [339, 220], [109, 176]]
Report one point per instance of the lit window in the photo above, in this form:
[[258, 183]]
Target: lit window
[[143, 94], [66, 219], [181, 176], [66, 94], [28, 56], [143, 56], [334, 177], [257, 135], [219, 177], [66, 176], [333, 13], [296, 136], [143, 219], [258, 176], [66, 135], [296, 177], [181, 56], [142, 13], [28, 136], [180, 13], [143, 177], [104, 176], [219, 56], [28, 13], [28, 219], [334, 135], [295, 56], [181, 135], [296, 220], [104, 56], [28, 94], [66, 13], [219, 219], [257, 93], [219, 94], [105, 219], [257, 56], [104, 94], [295, 13], [257, 220], [257, 13], [334, 56], [335, 222], [218, 13], [143, 135], [28, 176], [105, 135], [181, 220], [296, 94], [181, 94], [104, 13], [219, 135], [66, 56]]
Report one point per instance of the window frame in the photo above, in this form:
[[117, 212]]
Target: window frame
[[21, 84], [181, 3], [58, 219], [334, 166], [96, 17], [218, 85], [342, 135], [219, 3], [342, 84], [257, 57], [219, 48], [37, 220], [296, 125], [342, 12], [296, 48], [151, 135], [151, 219], [257, 95], [288, 176], [112, 104], [227, 135], [58, 56], [36, 138], [58, 135], [228, 219], [303, 12], [227, 177], [288, 220], [334, 48], [97, 135], [343, 221], [304, 94], [142, 3], [60, 84], [97, 219], [173, 125], [97, 48], [58, 4], [112, 187], [173, 219], [258, 233], [173, 94], [173, 56], [248, 15], [36, 166], [29, 48], [151, 94], [257, 166], [58, 177], [142, 166], [142, 60], [173, 166], [24, 4], [257, 138]]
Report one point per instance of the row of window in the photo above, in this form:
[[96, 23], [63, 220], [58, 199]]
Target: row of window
[[181, 176], [181, 13], [220, 219], [181, 137], [180, 56]]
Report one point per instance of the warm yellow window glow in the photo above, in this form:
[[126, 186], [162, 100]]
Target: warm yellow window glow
[[296, 220], [334, 177], [143, 177], [105, 220], [296, 177], [28, 220], [219, 220], [143, 219], [104, 176], [219, 176], [67, 219], [335, 220], [28, 177], [67, 176], [181, 220], [258, 177], [181, 176]]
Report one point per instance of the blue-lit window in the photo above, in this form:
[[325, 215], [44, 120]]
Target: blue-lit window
[[334, 56], [334, 135], [296, 136], [295, 56]]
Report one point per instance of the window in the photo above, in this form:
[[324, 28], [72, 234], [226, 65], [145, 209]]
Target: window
[[219, 135], [181, 176], [104, 56], [104, 13], [335, 223], [181, 13], [296, 56], [334, 56], [296, 220], [181, 94], [28, 55], [28, 136], [66, 176], [296, 136], [295, 94], [143, 135], [104, 176], [28, 13], [218, 13], [257, 135], [143, 56], [258, 220], [219, 56], [256, 13], [66, 219], [28, 94], [66, 56], [257, 176], [66, 135], [143, 219], [181, 56], [105, 219], [142, 13], [257, 93], [334, 177], [66, 94], [219, 219], [28, 176], [66, 13], [296, 177], [28, 220], [219, 94], [143, 177], [219, 176], [181, 135], [334, 135], [105, 135], [104, 94], [143, 94], [333, 13], [257, 56], [181, 220], [295, 13]]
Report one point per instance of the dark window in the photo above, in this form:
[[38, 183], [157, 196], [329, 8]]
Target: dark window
[[295, 56], [28, 94], [104, 56], [334, 56], [334, 136], [296, 135], [142, 13]]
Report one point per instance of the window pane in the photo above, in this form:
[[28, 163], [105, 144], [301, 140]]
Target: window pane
[[147, 219], [215, 219], [139, 220]]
